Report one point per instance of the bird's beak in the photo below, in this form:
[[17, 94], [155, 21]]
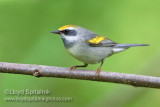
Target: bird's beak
[[56, 32]]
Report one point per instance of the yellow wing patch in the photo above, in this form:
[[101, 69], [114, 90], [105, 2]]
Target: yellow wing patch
[[66, 26], [97, 39]]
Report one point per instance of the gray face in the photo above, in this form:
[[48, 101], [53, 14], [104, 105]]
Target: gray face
[[69, 37]]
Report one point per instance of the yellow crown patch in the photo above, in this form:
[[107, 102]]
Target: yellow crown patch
[[97, 39], [66, 26]]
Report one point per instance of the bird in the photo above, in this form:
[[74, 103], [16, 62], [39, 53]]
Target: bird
[[89, 47]]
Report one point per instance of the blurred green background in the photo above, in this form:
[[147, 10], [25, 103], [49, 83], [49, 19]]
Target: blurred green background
[[25, 38]]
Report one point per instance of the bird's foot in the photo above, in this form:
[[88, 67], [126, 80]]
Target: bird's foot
[[98, 71], [72, 68]]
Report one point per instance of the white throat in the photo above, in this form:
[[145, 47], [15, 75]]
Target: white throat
[[70, 38]]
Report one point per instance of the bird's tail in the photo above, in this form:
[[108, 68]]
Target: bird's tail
[[129, 45], [121, 47]]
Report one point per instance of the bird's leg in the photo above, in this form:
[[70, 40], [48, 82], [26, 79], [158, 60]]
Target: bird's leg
[[99, 69], [74, 67]]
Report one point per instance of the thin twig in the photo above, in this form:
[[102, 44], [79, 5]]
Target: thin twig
[[61, 72]]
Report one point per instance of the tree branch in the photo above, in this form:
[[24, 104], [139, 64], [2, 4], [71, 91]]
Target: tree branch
[[61, 72]]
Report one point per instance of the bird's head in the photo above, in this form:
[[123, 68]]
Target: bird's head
[[72, 34]]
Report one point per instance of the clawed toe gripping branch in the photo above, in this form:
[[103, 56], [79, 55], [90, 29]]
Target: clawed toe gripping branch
[[61, 72]]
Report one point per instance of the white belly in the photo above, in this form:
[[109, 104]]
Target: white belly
[[90, 55]]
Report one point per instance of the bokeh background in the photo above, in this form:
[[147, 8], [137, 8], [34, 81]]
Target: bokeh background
[[25, 38]]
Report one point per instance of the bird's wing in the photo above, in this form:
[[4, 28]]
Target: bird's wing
[[100, 41]]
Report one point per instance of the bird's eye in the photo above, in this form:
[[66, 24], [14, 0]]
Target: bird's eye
[[65, 31], [68, 32]]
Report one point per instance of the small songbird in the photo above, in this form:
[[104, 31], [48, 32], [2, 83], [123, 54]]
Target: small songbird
[[89, 47]]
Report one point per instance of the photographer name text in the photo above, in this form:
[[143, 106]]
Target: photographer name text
[[27, 92]]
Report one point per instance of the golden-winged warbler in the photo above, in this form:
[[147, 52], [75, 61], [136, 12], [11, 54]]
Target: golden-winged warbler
[[89, 47]]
